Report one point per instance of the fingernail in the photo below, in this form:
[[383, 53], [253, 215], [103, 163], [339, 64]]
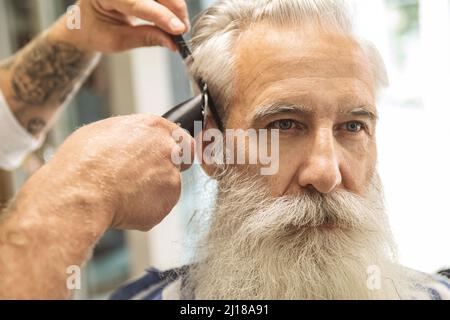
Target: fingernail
[[176, 25]]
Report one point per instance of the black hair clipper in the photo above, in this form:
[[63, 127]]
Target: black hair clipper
[[187, 113], [195, 109]]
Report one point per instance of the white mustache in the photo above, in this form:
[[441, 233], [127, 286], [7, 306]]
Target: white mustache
[[341, 210]]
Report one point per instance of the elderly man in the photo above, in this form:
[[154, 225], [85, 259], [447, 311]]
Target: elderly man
[[316, 229]]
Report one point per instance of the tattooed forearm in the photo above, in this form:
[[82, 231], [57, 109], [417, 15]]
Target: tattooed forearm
[[41, 77], [46, 72]]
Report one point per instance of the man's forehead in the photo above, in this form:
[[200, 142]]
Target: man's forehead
[[267, 58]]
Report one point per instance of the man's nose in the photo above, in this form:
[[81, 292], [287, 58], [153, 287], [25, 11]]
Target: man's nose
[[320, 169]]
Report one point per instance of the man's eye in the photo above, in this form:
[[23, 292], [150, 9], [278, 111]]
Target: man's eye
[[354, 126], [283, 125]]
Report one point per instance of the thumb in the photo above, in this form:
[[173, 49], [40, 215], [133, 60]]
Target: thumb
[[145, 36]]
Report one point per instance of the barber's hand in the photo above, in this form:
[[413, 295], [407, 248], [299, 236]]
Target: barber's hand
[[109, 25], [125, 165]]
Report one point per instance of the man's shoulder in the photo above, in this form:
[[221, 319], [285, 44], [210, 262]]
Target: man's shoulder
[[154, 285], [440, 288], [430, 286], [169, 284]]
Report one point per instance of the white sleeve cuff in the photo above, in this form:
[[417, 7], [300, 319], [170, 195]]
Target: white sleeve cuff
[[15, 142]]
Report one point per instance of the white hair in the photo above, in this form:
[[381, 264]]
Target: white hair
[[218, 27], [261, 247]]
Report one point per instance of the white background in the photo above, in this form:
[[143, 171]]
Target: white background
[[414, 131]]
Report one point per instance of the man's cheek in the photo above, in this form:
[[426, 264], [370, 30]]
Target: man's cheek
[[285, 181], [358, 168], [356, 175]]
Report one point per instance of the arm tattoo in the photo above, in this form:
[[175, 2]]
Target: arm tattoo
[[42, 78], [36, 125], [47, 72]]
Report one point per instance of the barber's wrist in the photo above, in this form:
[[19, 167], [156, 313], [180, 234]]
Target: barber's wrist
[[71, 204], [76, 37]]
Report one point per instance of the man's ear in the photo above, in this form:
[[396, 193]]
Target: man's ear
[[209, 169]]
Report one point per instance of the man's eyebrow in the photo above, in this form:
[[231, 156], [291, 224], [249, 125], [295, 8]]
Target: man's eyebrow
[[304, 110], [362, 111], [280, 108]]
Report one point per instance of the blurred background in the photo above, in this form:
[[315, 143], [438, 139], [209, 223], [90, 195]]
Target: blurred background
[[413, 37]]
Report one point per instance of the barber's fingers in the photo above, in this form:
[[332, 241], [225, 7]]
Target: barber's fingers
[[149, 10], [184, 149], [143, 36], [181, 143], [178, 7]]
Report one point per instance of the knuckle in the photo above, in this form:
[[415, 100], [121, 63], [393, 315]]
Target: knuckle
[[143, 117], [159, 122], [166, 206], [173, 185], [157, 220], [152, 40], [168, 201], [172, 151], [150, 221], [174, 180], [148, 225], [179, 6]]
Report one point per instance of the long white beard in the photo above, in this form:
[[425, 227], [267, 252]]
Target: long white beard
[[260, 247]]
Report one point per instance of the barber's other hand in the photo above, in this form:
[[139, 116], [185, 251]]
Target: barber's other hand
[[126, 165], [110, 25]]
